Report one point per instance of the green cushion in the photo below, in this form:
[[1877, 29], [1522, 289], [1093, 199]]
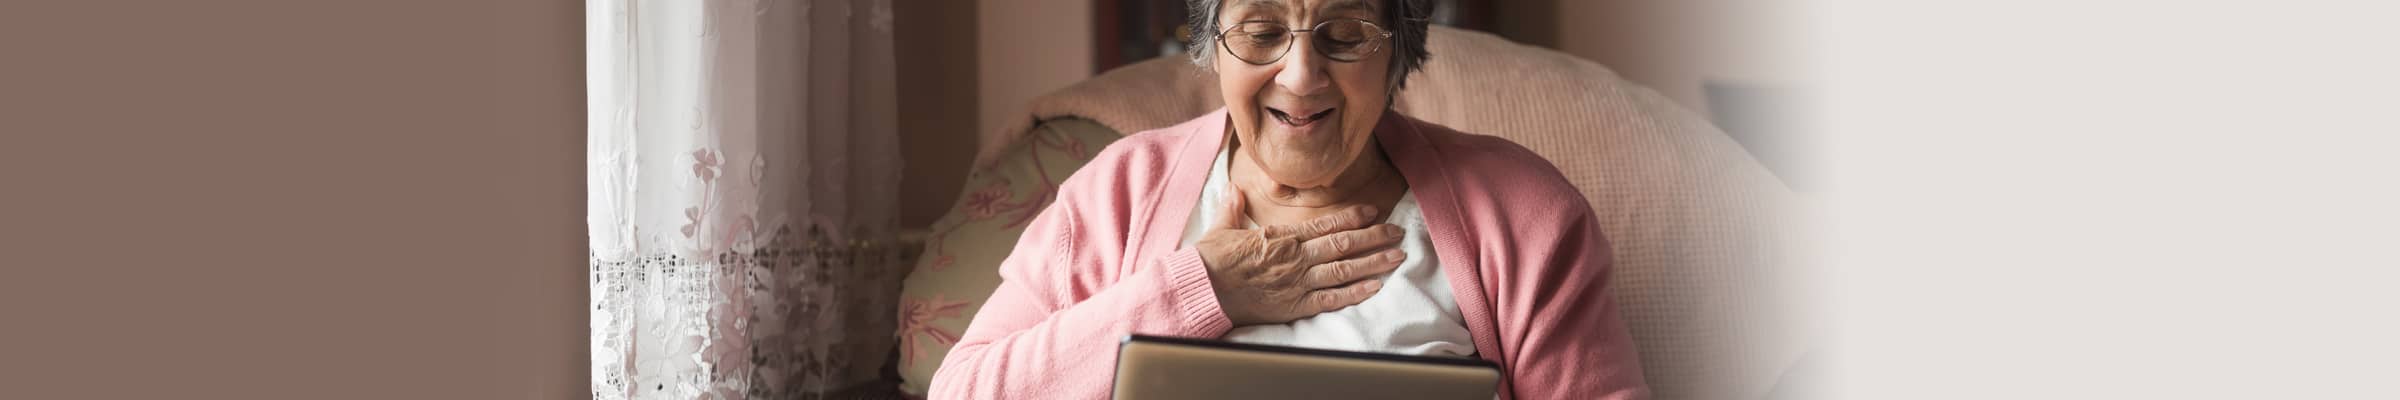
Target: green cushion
[[960, 265]]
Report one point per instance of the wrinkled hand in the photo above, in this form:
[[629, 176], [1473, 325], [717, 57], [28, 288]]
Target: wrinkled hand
[[1277, 274]]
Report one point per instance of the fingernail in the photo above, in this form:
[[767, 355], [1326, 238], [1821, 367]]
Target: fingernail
[[1390, 229], [1393, 255], [1375, 285], [1366, 211]]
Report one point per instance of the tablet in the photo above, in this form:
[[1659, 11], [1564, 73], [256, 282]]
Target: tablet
[[1165, 368]]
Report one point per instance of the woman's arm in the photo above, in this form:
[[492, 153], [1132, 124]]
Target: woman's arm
[[1573, 344], [1051, 329]]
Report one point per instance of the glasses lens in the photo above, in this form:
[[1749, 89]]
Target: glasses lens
[[1257, 42], [1345, 39]]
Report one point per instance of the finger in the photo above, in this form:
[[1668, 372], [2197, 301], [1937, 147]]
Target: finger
[[1345, 271], [1340, 245], [1329, 299], [1235, 209], [1337, 222]]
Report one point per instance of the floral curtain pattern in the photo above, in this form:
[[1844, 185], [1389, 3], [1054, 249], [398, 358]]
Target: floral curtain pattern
[[741, 185]]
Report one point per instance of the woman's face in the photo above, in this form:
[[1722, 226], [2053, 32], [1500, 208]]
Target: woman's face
[[1303, 118]]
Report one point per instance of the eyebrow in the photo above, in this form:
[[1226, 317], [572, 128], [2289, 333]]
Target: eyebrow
[[1348, 5], [1329, 8], [1248, 4]]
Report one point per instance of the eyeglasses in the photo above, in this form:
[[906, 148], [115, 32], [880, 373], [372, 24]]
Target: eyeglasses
[[1264, 42]]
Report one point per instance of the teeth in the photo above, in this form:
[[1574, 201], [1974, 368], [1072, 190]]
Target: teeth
[[1288, 118]]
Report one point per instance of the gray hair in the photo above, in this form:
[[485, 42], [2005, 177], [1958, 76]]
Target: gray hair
[[1407, 19]]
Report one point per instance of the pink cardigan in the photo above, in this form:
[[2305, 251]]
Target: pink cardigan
[[1517, 242]]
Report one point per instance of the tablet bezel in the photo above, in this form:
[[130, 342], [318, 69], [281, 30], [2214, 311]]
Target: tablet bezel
[[1116, 371]]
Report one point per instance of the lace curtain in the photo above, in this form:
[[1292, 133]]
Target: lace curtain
[[742, 170]]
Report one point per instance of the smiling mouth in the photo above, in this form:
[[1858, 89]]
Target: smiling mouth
[[1301, 121]]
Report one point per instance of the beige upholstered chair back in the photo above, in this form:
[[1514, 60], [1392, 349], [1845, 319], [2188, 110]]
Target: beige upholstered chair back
[[1701, 243]]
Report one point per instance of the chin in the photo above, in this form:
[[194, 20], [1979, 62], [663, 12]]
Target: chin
[[1303, 147], [1304, 174]]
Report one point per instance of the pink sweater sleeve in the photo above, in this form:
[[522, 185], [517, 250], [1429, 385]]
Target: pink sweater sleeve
[[1571, 343], [1065, 301]]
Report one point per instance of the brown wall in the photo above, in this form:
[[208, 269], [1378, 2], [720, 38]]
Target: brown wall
[[935, 47], [967, 68], [1030, 47], [292, 199]]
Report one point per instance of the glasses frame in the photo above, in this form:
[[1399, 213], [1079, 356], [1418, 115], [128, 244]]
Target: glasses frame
[[1288, 43]]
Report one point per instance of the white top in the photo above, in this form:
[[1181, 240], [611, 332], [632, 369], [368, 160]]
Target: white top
[[1415, 312]]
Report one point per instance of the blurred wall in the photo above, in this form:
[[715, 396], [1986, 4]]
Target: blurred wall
[[1029, 47], [356, 200], [1673, 46], [936, 48], [971, 67]]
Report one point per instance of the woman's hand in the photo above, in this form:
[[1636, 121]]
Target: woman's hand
[[1277, 274]]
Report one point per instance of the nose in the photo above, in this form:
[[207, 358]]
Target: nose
[[1303, 71]]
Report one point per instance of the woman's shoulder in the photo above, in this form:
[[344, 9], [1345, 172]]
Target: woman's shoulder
[[1150, 148], [1131, 167], [1143, 154]]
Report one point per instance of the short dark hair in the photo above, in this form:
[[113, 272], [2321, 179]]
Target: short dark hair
[[1407, 19]]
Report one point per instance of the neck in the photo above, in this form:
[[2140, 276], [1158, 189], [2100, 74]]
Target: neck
[[1371, 179]]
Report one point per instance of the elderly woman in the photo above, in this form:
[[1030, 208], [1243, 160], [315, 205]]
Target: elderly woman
[[1306, 213]]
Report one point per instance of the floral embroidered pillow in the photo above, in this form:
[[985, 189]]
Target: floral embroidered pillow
[[960, 265]]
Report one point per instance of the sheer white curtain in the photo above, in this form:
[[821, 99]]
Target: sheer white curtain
[[742, 170]]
